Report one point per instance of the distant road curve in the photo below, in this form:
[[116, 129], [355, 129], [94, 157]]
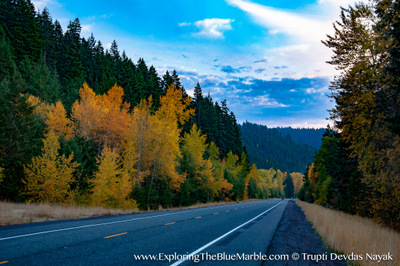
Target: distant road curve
[[158, 238]]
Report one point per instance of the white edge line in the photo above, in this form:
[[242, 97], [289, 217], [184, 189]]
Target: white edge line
[[219, 238], [108, 223]]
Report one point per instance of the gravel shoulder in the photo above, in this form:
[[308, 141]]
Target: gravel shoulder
[[295, 235]]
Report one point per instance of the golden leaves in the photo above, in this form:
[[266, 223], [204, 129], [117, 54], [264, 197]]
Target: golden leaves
[[103, 118], [49, 175]]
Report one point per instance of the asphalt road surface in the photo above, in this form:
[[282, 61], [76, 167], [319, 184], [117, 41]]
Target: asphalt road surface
[[224, 235]]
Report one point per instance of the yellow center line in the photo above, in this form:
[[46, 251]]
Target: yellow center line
[[116, 235], [198, 217], [3, 262], [169, 223]]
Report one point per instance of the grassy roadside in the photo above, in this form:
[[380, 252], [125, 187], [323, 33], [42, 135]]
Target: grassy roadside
[[353, 235], [21, 213]]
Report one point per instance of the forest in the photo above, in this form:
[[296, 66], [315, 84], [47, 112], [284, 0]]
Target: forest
[[275, 148], [80, 124], [357, 168], [309, 136]]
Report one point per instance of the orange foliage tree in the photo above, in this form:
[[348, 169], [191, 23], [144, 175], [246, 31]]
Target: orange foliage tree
[[54, 116], [103, 118]]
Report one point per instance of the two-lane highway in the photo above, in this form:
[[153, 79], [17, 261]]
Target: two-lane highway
[[245, 228]]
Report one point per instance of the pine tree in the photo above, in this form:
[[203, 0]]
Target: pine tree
[[21, 130], [289, 187], [48, 35], [166, 82], [24, 32]]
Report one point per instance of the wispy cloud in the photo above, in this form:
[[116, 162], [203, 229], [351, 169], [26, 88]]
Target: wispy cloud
[[278, 21], [41, 4], [184, 24], [50, 4], [87, 28], [266, 101], [213, 28], [343, 3], [306, 55]]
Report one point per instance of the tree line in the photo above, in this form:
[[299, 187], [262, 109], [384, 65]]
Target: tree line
[[84, 124], [271, 148], [309, 136], [357, 169]]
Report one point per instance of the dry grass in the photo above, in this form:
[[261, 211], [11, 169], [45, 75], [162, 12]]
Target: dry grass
[[19, 213], [352, 234]]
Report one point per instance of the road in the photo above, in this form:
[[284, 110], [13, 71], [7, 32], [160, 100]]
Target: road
[[244, 228]]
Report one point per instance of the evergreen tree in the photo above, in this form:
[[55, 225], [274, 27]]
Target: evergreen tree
[[155, 89], [48, 35], [289, 187], [21, 130], [18, 17], [166, 82]]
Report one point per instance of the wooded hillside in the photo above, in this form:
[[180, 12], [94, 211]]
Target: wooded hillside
[[86, 125]]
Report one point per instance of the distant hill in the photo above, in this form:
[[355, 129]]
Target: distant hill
[[277, 147], [310, 136]]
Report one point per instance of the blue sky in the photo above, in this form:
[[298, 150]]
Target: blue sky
[[265, 57]]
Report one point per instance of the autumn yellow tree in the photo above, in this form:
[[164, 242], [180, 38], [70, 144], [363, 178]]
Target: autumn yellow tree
[[48, 177], [266, 177], [54, 116], [140, 140], [199, 170], [113, 126], [297, 181], [111, 186], [235, 174], [87, 113], [224, 188], [173, 110], [57, 120], [253, 184]]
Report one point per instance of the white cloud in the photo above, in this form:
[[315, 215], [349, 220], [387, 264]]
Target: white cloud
[[343, 3], [266, 102], [41, 4], [304, 60], [296, 122], [87, 28], [183, 24], [306, 56], [213, 28], [278, 21]]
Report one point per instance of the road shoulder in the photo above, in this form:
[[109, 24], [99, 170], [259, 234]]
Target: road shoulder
[[295, 235]]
